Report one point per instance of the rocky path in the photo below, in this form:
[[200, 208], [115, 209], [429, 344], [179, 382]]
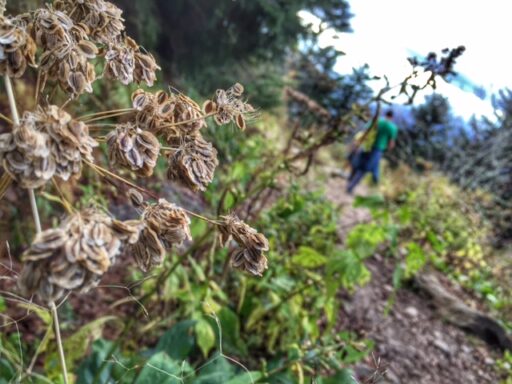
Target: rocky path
[[413, 344]]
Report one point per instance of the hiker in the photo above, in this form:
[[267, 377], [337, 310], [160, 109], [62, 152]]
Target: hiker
[[368, 159]]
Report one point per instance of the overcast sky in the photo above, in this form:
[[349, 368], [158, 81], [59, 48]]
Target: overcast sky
[[387, 31]]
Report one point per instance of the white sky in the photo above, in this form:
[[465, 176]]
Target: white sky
[[386, 31]]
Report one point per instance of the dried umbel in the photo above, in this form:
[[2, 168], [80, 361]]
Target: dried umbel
[[173, 116], [102, 17], [249, 256], [126, 63], [17, 48], [133, 148], [51, 29], [166, 225], [66, 51], [69, 65], [46, 143], [228, 106], [194, 163], [75, 255]]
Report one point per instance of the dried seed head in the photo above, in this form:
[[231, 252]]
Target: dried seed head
[[75, 255], [66, 51], [47, 143], [166, 225], [131, 147], [126, 63], [103, 18], [173, 116], [249, 257], [51, 29], [229, 106], [17, 48], [136, 198], [194, 163]]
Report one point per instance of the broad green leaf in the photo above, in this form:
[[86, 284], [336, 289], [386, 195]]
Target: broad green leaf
[[216, 371], [89, 370], [178, 341], [7, 371], [205, 336], [231, 340], [160, 369], [308, 257]]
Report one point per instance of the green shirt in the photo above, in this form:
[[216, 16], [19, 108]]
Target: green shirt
[[386, 131]]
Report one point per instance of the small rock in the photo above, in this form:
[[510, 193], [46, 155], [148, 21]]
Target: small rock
[[489, 361], [443, 346], [411, 312]]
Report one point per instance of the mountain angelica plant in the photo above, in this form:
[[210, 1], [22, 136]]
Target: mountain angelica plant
[[66, 43]]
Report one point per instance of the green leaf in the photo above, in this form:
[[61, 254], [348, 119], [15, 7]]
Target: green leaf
[[7, 371], [90, 367], [231, 339], [76, 345], [42, 313], [245, 378], [178, 342], [308, 258], [345, 376], [205, 336], [415, 259], [217, 371], [160, 369], [370, 202]]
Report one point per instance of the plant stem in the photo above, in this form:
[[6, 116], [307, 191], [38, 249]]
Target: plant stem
[[59, 341], [16, 120], [37, 222]]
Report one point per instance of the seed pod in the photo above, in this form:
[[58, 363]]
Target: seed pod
[[249, 256], [75, 255], [47, 143], [230, 107], [136, 198], [166, 225], [133, 148], [17, 48], [103, 19], [194, 163]]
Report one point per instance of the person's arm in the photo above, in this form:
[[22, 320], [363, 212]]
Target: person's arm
[[391, 145]]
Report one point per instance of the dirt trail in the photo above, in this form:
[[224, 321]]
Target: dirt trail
[[411, 341]]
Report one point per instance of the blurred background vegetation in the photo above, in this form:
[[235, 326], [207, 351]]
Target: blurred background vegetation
[[445, 204]]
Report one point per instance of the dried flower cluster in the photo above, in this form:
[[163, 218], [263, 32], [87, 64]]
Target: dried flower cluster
[[70, 38], [173, 116], [46, 143], [103, 18], [75, 255], [70, 34], [166, 225], [249, 256], [194, 163], [17, 48], [131, 147], [125, 62], [228, 106]]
